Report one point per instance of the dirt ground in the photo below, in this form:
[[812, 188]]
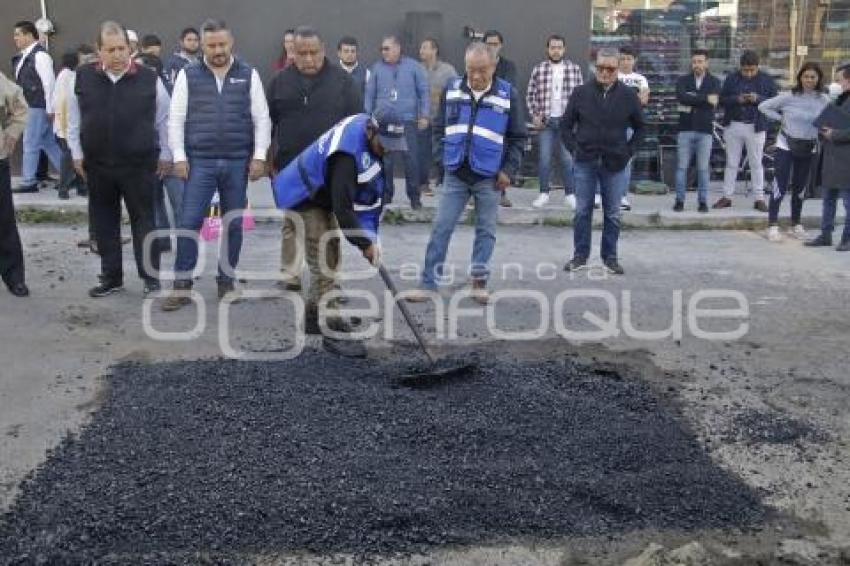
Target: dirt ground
[[770, 406]]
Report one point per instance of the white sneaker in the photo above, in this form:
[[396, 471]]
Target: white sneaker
[[570, 201], [541, 200], [597, 201], [773, 234], [625, 204], [799, 232]]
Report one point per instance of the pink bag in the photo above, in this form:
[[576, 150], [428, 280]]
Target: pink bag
[[248, 222], [211, 228]]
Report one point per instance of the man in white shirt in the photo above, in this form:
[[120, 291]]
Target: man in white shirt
[[628, 76], [220, 132], [549, 89], [33, 68]]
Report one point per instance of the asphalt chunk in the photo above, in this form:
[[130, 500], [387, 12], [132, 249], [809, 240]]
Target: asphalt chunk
[[323, 454]]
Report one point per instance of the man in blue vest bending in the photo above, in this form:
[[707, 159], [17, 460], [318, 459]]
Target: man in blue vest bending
[[338, 181], [479, 135]]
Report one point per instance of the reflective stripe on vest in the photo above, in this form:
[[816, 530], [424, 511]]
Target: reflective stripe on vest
[[475, 132]]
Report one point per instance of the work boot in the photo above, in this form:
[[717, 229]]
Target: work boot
[[179, 296], [703, 207], [419, 296], [821, 241], [760, 205], [722, 202], [679, 206], [480, 294], [332, 322], [64, 194]]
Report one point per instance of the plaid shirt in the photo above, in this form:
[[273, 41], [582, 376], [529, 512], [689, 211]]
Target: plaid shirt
[[539, 96]]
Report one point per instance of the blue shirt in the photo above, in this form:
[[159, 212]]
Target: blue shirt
[[401, 88]]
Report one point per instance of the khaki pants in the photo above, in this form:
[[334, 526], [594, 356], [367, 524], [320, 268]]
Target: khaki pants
[[317, 221]]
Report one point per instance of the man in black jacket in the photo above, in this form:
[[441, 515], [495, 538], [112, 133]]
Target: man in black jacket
[[594, 130], [698, 94], [118, 135], [305, 100]]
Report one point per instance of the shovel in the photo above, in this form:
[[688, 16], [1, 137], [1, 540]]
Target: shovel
[[437, 373]]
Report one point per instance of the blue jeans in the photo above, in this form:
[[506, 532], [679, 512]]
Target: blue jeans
[[38, 136], [612, 186], [411, 164], [697, 144], [549, 139], [426, 157], [230, 177], [171, 187], [453, 199], [830, 202]]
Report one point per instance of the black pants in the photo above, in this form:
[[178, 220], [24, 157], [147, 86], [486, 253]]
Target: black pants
[[791, 173], [11, 253], [107, 187]]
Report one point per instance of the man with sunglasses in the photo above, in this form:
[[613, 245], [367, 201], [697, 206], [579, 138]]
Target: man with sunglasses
[[594, 129]]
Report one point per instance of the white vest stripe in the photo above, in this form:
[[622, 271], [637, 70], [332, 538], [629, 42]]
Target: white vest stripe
[[366, 176], [338, 134], [457, 129], [497, 101], [488, 134], [365, 207]]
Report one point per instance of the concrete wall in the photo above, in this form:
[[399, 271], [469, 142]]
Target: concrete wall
[[258, 24]]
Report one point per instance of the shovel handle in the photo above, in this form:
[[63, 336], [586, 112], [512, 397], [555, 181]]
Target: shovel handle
[[417, 332]]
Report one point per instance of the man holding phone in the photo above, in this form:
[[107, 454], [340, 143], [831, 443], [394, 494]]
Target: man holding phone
[[742, 92]]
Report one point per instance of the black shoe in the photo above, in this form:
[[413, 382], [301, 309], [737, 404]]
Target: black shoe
[[576, 264], [821, 241], [21, 189], [679, 206], [760, 206], [82, 192], [416, 205], [293, 285], [345, 348], [225, 287], [151, 286], [703, 207], [63, 194], [105, 288], [613, 266], [19, 289], [843, 246]]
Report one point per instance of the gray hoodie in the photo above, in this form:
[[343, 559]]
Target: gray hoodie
[[796, 112]]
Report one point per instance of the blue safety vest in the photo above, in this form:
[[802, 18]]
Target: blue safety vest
[[476, 131], [299, 181]]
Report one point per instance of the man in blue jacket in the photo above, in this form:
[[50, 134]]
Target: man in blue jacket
[[337, 182], [479, 135], [740, 97], [399, 85]]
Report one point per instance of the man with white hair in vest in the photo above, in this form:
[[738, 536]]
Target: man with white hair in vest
[[479, 136]]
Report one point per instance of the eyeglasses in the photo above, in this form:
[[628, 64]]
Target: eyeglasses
[[386, 48], [601, 68]]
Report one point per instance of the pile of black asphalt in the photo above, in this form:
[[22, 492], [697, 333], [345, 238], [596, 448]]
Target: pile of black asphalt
[[325, 455]]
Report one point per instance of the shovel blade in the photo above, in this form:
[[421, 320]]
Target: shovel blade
[[436, 376]]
